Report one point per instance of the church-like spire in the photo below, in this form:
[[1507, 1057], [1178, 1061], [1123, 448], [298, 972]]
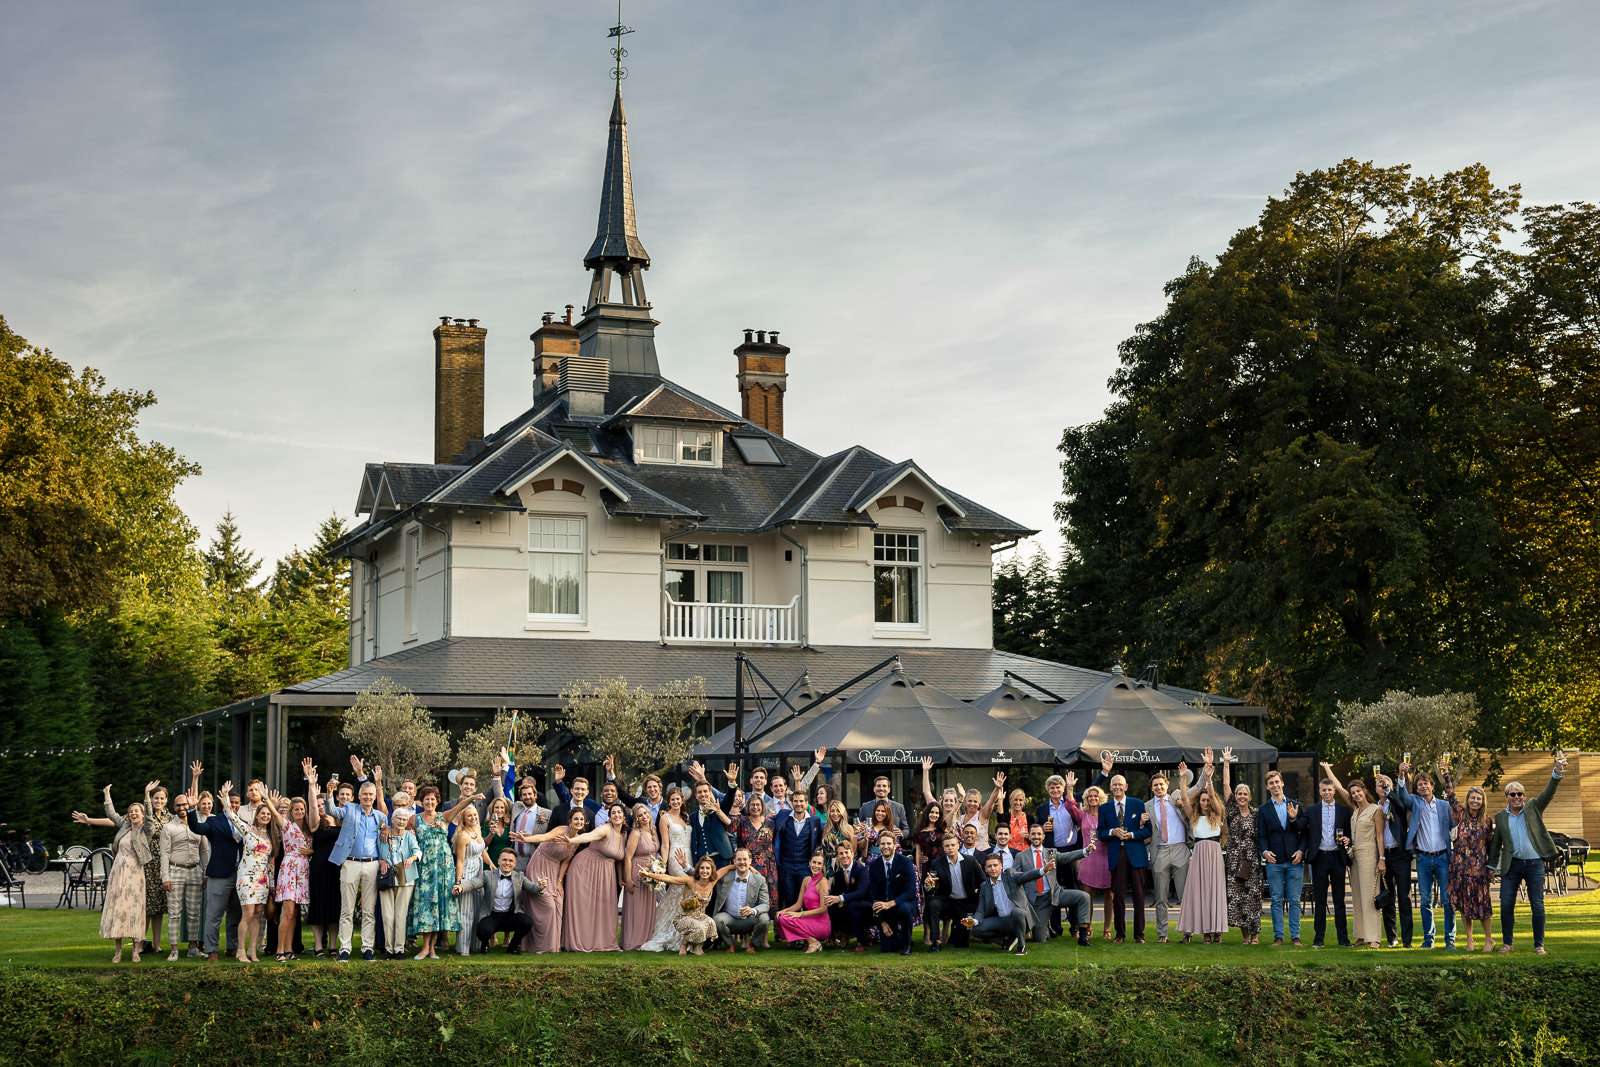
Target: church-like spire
[[616, 243], [618, 328]]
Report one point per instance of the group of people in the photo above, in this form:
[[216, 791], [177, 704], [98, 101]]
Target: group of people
[[780, 855]]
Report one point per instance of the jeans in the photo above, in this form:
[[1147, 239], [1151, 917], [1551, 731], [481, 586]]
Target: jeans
[[1285, 880], [222, 899], [1431, 870], [1531, 874]]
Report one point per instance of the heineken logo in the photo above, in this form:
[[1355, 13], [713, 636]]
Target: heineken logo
[[1000, 757]]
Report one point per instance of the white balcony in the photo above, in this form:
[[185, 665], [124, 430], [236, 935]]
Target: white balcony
[[733, 624]]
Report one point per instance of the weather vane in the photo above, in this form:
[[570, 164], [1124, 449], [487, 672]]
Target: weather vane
[[619, 53]]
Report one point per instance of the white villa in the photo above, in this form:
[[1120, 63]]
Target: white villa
[[625, 525]]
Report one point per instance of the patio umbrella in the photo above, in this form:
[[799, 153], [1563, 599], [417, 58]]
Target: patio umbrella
[[720, 743], [1139, 724], [1012, 706], [898, 720]]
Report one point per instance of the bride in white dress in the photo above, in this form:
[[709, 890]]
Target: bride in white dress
[[675, 833]]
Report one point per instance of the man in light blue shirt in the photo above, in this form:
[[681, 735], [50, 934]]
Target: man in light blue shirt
[[1429, 841], [355, 853]]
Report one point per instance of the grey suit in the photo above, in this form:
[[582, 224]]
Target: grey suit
[[755, 898], [490, 922], [988, 923]]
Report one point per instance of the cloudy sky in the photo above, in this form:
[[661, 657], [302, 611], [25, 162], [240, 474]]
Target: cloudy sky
[[952, 211]]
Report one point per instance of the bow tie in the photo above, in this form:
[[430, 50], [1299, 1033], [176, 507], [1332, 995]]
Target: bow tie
[[741, 881]]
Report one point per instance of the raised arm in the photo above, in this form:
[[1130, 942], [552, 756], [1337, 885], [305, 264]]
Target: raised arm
[[927, 781], [816, 768], [84, 820], [1338, 786], [313, 811], [270, 800], [460, 806], [1227, 769], [105, 798], [987, 811]]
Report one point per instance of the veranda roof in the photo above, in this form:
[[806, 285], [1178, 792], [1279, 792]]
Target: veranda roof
[[1136, 723]]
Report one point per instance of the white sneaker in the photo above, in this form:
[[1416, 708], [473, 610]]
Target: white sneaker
[[172, 956], [194, 953]]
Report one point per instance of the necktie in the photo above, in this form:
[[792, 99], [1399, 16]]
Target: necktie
[[1038, 863], [1119, 813]]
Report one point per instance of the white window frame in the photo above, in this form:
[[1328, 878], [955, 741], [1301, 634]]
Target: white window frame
[[702, 565], [920, 565], [581, 552], [681, 437]]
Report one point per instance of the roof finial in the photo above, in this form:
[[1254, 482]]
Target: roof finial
[[619, 53]]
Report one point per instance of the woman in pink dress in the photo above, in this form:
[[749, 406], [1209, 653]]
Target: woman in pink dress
[[294, 871], [1205, 896], [807, 918], [639, 897], [549, 861], [589, 916], [1092, 870]]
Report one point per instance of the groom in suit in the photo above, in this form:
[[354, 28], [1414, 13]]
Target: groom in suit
[[1124, 828], [893, 893], [740, 905], [708, 832]]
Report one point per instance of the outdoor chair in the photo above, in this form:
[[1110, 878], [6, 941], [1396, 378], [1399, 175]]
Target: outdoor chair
[[1555, 868], [1578, 858], [11, 884], [99, 865], [76, 876]]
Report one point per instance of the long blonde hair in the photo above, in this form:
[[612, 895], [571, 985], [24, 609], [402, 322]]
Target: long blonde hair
[[470, 831]]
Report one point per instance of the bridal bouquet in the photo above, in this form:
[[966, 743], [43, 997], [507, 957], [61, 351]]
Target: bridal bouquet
[[658, 866]]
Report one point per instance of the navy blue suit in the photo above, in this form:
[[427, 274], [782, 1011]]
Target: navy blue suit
[[854, 911], [896, 883], [792, 850], [1126, 859], [711, 840]]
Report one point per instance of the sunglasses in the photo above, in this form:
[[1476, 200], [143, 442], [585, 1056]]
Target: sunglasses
[[1514, 793]]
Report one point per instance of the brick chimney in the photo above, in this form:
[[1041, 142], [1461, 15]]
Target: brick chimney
[[457, 386], [552, 341], [762, 378]]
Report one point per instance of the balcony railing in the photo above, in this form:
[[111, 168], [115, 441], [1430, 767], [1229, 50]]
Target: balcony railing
[[733, 624]]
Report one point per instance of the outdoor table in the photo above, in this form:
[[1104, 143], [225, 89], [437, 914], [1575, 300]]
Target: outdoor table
[[66, 880]]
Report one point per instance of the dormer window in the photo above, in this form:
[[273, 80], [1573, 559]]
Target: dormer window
[[672, 444]]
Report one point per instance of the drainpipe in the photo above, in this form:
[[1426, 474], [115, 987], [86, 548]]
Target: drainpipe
[[446, 535], [377, 580], [661, 585], [805, 591]]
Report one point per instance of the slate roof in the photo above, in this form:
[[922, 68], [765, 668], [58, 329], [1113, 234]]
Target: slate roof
[[530, 673]]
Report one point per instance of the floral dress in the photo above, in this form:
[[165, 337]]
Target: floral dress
[[433, 908], [155, 897], [254, 880], [762, 854], [1469, 870], [1244, 895], [294, 870]]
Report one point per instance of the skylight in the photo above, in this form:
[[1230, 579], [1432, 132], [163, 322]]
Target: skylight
[[757, 451]]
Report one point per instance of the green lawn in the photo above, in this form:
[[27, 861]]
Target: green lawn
[[48, 938]]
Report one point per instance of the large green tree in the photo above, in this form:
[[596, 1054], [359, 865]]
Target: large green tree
[[1299, 490], [86, 504]]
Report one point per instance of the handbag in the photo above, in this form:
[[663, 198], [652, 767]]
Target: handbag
[[389, 879], [1241, 871], [1384, 899]]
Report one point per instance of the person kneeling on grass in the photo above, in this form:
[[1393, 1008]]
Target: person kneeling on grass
[[505, 888], [1003, 916]]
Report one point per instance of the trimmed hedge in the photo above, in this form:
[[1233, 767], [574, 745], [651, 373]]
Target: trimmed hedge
[[626, 1014]]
